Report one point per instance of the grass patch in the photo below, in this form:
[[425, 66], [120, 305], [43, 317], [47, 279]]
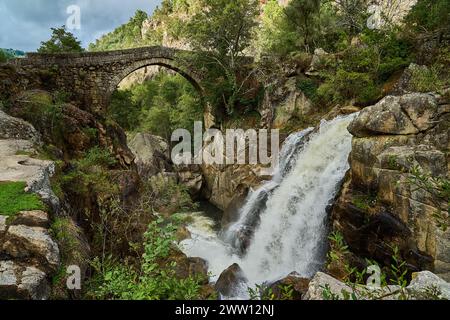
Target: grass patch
[[364, 202], [14, 199]]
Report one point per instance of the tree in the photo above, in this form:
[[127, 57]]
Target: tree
[[3, 56], [61, 41], [303, 15], [429, 16], [224, 28], [275, 36], [352, 14]]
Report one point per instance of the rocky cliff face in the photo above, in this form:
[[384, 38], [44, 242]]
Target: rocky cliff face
[[384, 12], [392, 195]]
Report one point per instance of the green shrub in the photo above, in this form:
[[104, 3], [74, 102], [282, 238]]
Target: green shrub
[[124, 110], [168, 196], [3, 56], [13, 199], [364, 202], [428, 16], [308, 87], [89, 175], [424, 79], [345, 86], [74, 250], [97, 157], [149, 280], [439, 190]]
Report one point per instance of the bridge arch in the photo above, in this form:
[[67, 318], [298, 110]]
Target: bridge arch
[[162, 62]]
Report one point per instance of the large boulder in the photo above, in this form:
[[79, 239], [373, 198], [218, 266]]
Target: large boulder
[[34, 218], [17, 129], [28, 256], [191, 177], [22, 282], [423, 283], [224, 183], [403, 115], [294, 105], [23, 242], [151, 154], [231, 281], [294, 282], [323, 287], [424, 286]]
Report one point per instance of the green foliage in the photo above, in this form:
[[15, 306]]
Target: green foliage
[[351, 15], [168, 196], [364, 202], [14, 199], [124, 110], [424, 79], [303, 15], [158, 106], [398, 269], [97, 157], [338, 246], [150, 280], [8, 54], [45, 113], [73, 251], [392, 163], [126, 36], [61, 41], [362, 69], [232, 24], [89, 174], [275, 35], [429, 15], [3, 57], [328, 294], [309, 88], [439, 190], [262, 292], [65, 233], [346, 85]]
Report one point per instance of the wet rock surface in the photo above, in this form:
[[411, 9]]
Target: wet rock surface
[[230, 281]]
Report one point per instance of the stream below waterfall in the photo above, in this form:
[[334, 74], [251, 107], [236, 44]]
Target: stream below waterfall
[[282, 226]]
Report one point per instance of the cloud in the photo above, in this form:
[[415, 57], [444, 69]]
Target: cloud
[[25, 23]]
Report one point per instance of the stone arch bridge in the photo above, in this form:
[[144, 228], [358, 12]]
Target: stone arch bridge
[[92, 77]]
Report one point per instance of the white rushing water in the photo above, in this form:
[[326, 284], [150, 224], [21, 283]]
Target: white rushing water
[[283, 222]]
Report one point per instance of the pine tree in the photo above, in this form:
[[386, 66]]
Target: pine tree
[[61, 41]]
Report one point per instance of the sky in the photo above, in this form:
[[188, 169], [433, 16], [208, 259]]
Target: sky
[[25, 23]]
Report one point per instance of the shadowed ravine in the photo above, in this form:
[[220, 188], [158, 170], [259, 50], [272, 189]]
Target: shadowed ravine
[[284, 220]]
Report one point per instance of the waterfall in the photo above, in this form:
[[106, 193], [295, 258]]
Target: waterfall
[[240, 232], [284, 222]]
